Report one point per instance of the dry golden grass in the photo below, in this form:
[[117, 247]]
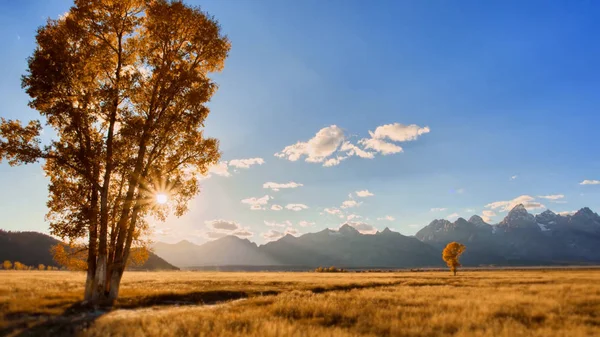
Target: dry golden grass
[[475, 303]]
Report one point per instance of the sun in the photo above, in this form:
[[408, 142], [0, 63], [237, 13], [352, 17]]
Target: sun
[[161, 198]]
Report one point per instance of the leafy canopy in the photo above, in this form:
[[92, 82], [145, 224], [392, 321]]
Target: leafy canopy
[[451, 254]]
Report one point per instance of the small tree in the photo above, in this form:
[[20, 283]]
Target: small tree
[[19, 266], [451, 254], [41, 267], [7, 265]]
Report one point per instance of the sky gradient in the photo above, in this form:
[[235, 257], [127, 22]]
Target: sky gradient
[[493, 103]]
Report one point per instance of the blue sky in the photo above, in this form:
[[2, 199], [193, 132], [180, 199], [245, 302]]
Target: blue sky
[[508, 90]]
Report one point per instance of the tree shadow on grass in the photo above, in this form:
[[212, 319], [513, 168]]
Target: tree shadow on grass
[[78, 317]]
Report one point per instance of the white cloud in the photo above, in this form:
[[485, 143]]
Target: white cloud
[[329, 146], [222, 168], [487, 215], [214, 235], [394, 132], [272, 235], [513, 177], [565, 213], [334, 161], [460, 190], [353, 150], [306, 223], [350, 204], [552, 197], [292, 231], [438, 209], [220, 228], [219, 169], [276, 208], [452, 216], [244, 233], [277, 186], [296, 207], [527, 201], [353, 216], [333, 211], [246, 163], [163, 231], [362, 227], [413, 225], [318, 148], [364, 194], [590, 182], [399, 132], [379, 145], [257, 203], [387, 218], [222, 225], [275, 224]]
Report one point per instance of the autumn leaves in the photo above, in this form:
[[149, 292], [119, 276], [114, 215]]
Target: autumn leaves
[[451, 254]]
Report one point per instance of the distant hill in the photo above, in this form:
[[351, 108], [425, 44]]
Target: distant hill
[[33, 248], [520, 239], [229, 250], [346, 248], [30, 248]]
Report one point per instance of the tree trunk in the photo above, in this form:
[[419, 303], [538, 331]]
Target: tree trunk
[[454, 271], [99, 293], [89, 285], [115, 280], [92, 251]]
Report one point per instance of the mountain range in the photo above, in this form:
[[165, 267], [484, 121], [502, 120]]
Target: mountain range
[[520, 238]]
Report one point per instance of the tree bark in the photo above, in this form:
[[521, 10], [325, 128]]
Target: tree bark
[[115, 280], [92, 252]]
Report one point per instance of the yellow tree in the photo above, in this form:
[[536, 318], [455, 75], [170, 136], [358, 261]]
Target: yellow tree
[[19, 266], [41, 267], [7, 265], [124, 86], [451, 254], [75, 257]]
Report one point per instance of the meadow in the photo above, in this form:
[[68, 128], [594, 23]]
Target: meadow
[[474, 303]]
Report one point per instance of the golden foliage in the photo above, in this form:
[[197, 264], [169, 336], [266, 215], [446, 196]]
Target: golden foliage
[[124, 86], [72, 257], [451, 254], [19, 266], [138, 256], [7, 265], [41, 267]]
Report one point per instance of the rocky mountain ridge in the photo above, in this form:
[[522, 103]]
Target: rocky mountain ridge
[[520, 238]]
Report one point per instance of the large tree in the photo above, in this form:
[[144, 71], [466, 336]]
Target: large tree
[[123, 85]]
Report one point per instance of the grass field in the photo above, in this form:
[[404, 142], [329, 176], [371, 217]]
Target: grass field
[[474, 303]]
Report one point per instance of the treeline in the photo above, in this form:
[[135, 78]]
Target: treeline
[[331, 269], [9, 265]]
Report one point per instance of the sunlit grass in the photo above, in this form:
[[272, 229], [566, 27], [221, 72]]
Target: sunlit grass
[[494, 303]]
